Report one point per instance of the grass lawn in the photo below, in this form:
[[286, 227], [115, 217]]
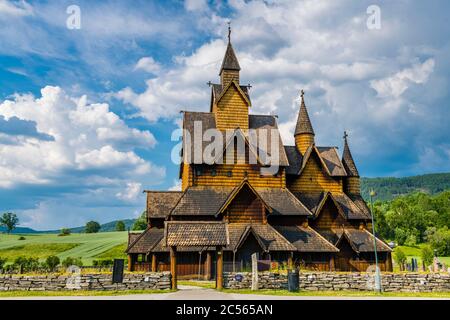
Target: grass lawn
[[87, 246], [203, 284], [10, 294], [341, 293]]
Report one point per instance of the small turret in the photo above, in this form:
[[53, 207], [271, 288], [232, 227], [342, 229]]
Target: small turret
[[230, 66], [352, 181], [304, 133]]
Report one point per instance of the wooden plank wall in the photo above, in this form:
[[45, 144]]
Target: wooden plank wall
[[328, 217], [232, 111], [246, 207]]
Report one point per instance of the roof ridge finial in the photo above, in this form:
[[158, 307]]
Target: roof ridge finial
[[345, 136], [229, 31]]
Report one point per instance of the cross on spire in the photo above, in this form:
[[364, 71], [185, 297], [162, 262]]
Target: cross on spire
[[302, 93], [229, 31], [345, 135]]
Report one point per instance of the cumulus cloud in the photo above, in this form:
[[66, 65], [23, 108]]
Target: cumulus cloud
[[395, 85], [67, 145], [147, 64]]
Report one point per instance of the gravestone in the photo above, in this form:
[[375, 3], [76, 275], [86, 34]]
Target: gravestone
[[117, 276], [254, 271]]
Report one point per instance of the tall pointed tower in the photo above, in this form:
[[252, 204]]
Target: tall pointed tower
[[230, 66], [304, 133], [352, 181]]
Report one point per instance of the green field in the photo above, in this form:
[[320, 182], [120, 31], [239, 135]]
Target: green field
[[92, 246]]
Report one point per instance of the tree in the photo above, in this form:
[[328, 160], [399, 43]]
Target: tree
[[69, 261], [9, 220], [65, 232], [52, 262], [400, 257], [440, 240], [120, 226], [141, 222], [92, 227], [427, 255]]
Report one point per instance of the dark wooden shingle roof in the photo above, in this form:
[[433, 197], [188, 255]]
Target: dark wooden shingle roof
[[266, 235], [305, 239], [331, 159], [145, 241], [196, 233], [283, 202], [362, 241], [160, 203], [230, 61], [303, 122], [347, 160]]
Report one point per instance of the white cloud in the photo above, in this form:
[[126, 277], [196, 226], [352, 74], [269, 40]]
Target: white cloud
[[131, 192], [176, 185], [397, 84], [147, 64], [196, 5], [85, 137], [15, 8]]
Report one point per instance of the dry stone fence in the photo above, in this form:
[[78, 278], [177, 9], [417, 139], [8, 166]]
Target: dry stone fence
[[336, 281], [131, 281]]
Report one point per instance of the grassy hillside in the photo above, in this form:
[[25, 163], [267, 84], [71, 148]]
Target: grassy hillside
[[106, 227], [105, 245], [389, 188]]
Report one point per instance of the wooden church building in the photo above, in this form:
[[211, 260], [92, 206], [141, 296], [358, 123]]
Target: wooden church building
[[309, 213]]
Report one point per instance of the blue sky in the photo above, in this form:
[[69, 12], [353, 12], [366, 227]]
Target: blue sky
[[86, 114]]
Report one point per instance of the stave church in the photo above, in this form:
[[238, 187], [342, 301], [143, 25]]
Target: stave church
[[308, 213]]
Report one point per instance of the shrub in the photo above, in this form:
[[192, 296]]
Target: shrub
[[2, 262], [69, 261], [64, 232], [399, 257], [104, 263], [52, 262], [22, 238], [427, 255], [25, 264]]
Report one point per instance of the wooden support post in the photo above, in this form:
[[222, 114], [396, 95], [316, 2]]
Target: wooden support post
[[332, 263], [389, 262], [130, 263], [173, 267], [153, 262], [208, 266], [219, 281], [290, 261]]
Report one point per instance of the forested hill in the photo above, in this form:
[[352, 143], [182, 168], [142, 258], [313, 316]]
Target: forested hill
[[389, 188]]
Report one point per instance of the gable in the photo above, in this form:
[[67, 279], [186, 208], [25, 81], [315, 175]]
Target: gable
[[314, 177], [328, 215], [244, 205]]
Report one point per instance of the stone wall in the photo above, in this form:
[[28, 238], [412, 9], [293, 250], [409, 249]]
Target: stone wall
[[131, 281], [335, 281]]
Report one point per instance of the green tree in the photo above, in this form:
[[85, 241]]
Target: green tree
[[141, 222], [52, 262], [92, 227], [120, 226], [400, 257], [65, 232], [69, 261], [427, 255], [440, 241], [9, 220]]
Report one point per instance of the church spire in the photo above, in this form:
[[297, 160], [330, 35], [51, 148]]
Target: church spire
[[230, 66], [347, 159], [304, 132]]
